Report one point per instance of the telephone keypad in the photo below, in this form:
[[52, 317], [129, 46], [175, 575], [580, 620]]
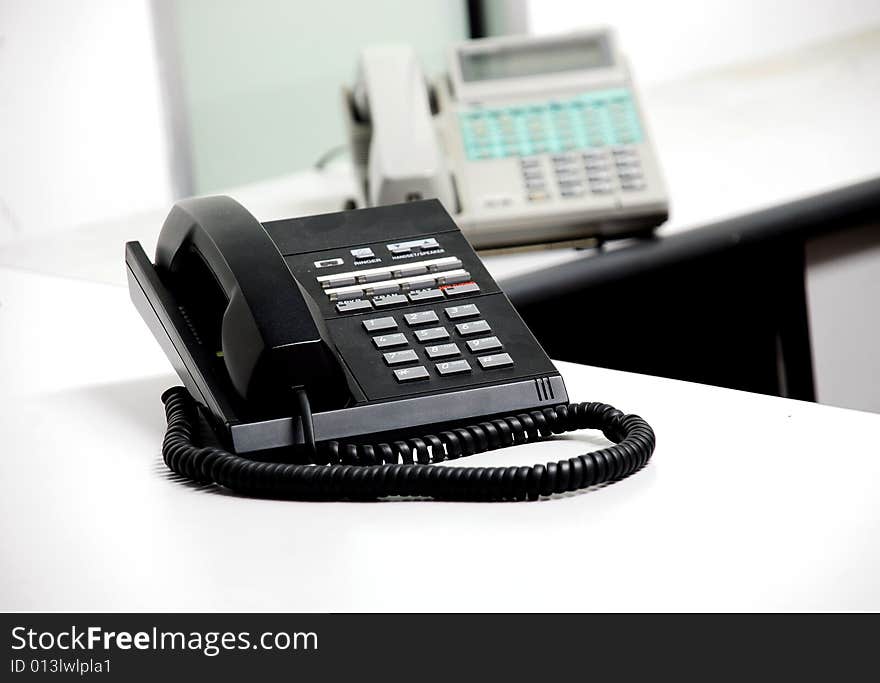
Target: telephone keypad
[[400, 357], [411, 374], [442, 351], [453, 367], [476, 327], [464, 311], [433, 334], [484, 344], [388, 340], [420, 318], [380, 324], [498, 360]]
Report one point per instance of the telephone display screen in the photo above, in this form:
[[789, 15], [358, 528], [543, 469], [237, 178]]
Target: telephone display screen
[[533, 60]]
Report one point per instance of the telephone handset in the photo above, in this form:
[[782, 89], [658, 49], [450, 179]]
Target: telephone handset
[[398, 155], [272, 336], [330, 344]]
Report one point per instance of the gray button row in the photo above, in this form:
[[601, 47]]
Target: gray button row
[[420, 296]]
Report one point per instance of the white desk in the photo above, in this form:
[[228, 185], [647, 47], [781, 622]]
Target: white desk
[[750, 502]]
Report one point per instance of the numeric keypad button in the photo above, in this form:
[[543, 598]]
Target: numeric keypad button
[[475, 327]]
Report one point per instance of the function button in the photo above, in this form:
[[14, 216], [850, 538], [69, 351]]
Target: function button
[[390, 300], [341, 280], [453, 367], [420, 318], [362, 253], [461, 290], [464, 311], [629, 174], [484, 344], [453, 278], [345, 293], [386, 341], [433, 334], [373, 276], [354, 305], [409, 271], [573, 191], [411, 374], [384, 288], [599, 177], [624, 154], [497, 360], [448, 263], [380, 324], [429, 243], [476, 327], [400, 357], [426, 295], [399, 248], [329, 262], [420, 282], [442, 350]]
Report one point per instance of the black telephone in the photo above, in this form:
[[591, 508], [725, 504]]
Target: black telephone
[[323, 346]]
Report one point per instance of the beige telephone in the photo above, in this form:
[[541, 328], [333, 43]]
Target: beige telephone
[[531, 140]]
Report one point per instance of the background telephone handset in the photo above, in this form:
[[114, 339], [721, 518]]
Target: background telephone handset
[[400, 159], [543, 137], [350, 333]]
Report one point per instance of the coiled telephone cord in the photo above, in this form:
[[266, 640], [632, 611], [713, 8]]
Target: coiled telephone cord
[[345, 471]]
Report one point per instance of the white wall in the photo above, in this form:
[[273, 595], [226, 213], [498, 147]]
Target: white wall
[[81, 135], [670, 39], [843, 291]]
